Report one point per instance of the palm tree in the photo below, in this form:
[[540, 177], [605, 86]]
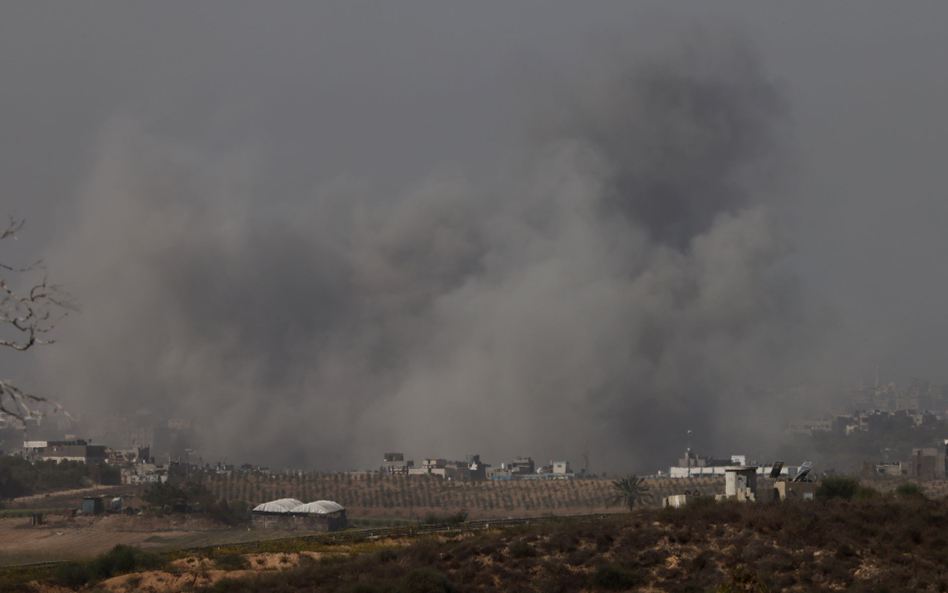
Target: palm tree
[[629, 491]]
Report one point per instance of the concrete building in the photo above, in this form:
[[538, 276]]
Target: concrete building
[[144, 473], [787, 490], [77, 450], [928, 463], [891, 469], [93, 505], [560, 467], [697, 465], [471, 469], [676, 501], [394, 463], [516, 469], [740, 483], [283, 514], [477, 470]]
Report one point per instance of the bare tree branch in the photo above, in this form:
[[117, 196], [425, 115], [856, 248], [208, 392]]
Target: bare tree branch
[[29, 315]]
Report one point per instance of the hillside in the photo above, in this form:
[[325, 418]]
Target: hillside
[[883, 544]]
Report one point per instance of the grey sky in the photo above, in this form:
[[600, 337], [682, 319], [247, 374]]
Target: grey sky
[[226, 119]]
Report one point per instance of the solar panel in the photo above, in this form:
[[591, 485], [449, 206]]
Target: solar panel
[[802, 472], [775, 470]]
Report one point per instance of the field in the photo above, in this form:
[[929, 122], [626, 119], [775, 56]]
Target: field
[[371, 501], [379, 501], [405, 497], [58, 540], [878, 544]]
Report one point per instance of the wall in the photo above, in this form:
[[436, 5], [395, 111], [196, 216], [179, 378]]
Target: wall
[[299, 522]]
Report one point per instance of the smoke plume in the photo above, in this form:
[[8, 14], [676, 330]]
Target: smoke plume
[[620, 285]]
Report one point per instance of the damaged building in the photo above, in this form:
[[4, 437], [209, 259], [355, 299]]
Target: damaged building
[[395, 464]]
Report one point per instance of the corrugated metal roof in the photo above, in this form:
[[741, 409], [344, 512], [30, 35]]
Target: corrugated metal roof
[[320, 507], [283, 505]]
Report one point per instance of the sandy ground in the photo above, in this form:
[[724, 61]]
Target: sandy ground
[[186, 574], [81, 538], [60, 494]]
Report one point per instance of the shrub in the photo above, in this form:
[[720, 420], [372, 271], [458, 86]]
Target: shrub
[[123, 559], [614, 578], [453, 518], [119, 560], [910, 490], [426, 580], [866, 493], [232, 562], [72, 574], [520, 549], [844, 488]]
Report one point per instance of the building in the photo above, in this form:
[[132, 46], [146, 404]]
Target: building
[[289, 514], [890, 469], [93, 505], [676, 501], [518, 468], [394, 463], [928, 463], [144, 473], [560, 467], [477, 470], [740, 483], [77, 450], [697, 465], [788, 490], [451, 470]]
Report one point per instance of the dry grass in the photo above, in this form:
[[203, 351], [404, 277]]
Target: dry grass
[[884, 544], [878, 545]]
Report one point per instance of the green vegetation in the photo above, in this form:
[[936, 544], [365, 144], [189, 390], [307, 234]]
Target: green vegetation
[[808, 546], [866, 493], [614, 578], [817, 545], [20, 477], [629, 491], [194, 497], [910, 490], [119, 560], [842, 488], [232, 562], [451, 518], [13, 513]]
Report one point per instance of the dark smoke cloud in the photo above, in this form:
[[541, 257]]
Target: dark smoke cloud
[[622, 285]]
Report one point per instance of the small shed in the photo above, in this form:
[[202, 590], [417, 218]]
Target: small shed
[[740, 482], [322, 515], [676, 501], [786, 490], [92, 505]]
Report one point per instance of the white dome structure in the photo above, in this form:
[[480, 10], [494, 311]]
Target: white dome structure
[[320, 507], [283, 505]]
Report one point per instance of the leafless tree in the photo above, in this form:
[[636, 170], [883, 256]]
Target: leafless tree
[[29, 310]]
